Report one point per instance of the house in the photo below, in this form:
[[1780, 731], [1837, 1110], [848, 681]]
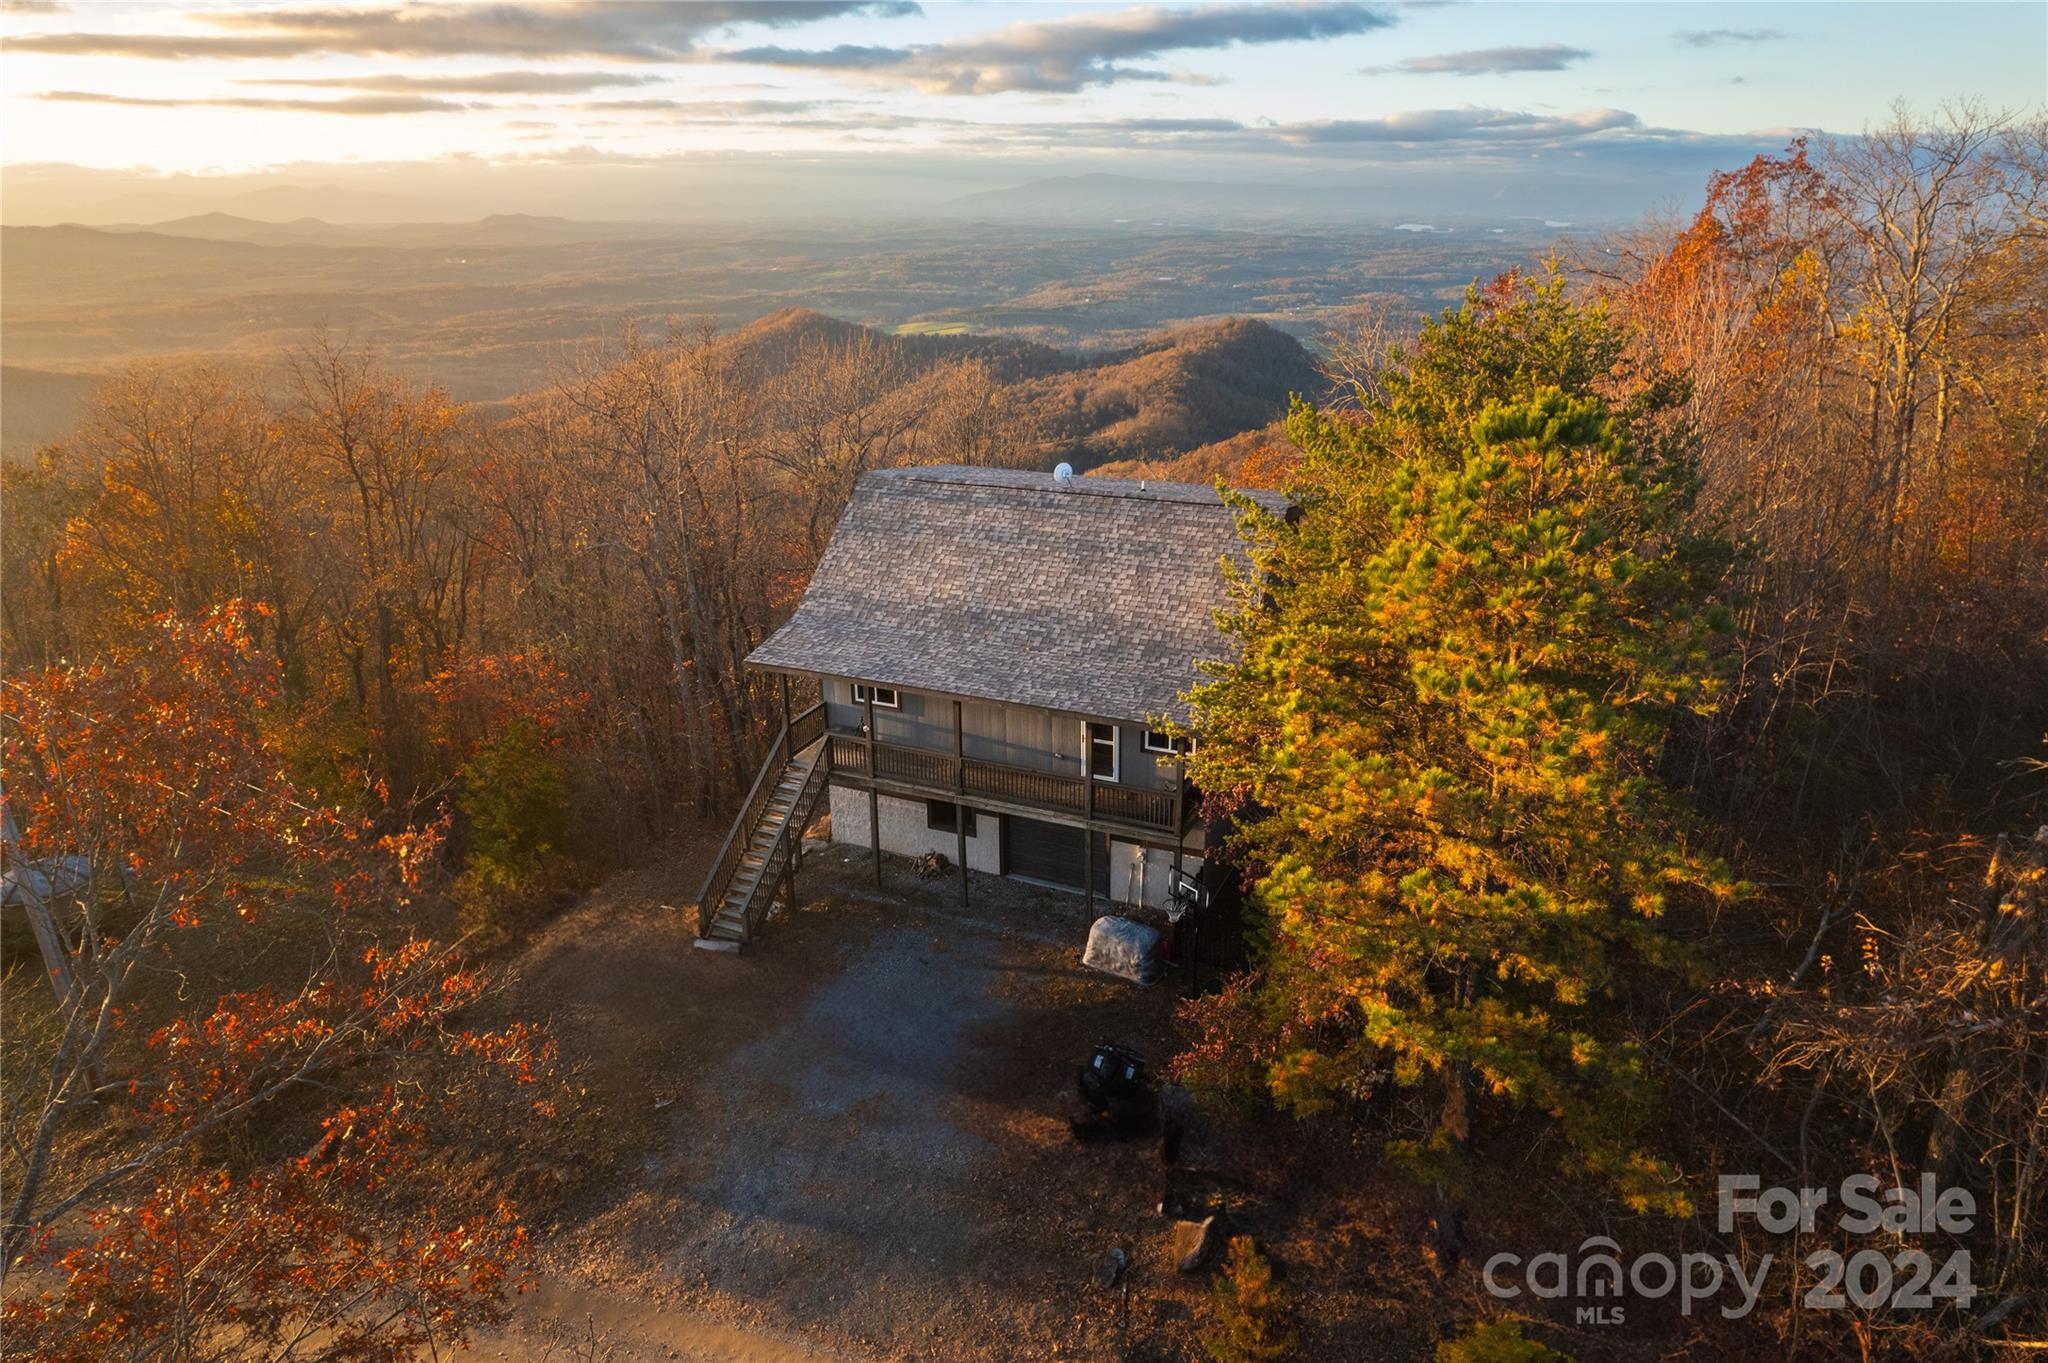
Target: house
[[995, 650]]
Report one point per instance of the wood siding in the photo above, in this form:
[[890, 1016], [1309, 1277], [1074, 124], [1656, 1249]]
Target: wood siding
[[1015, 735]]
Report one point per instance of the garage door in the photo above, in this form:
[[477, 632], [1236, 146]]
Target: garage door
[[1052, 852], [1045, 851]]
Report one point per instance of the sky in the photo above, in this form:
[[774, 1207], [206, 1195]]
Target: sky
[[994, 90]]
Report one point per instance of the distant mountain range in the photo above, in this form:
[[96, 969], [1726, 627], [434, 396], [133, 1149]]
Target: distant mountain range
[[1125, 341], [1420, 196], [1183, 389], [1423, 192], [274, 204], [513, 229], [1180, 390], [1136, 199]]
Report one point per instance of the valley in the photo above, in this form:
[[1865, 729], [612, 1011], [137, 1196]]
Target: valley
[[491, 308]]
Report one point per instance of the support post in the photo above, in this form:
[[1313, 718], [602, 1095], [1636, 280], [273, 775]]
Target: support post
[[1182, 930], [874, 795], [960, 789], [791, 834], [1088, 864], [792, 842], [1180, 818]]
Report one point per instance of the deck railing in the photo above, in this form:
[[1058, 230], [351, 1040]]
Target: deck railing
[[939, 773], [1131, 804]]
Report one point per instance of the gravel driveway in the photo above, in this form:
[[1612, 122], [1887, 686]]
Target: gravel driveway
[[853, 1133]]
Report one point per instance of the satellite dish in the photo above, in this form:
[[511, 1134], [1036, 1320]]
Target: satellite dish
[[1063, 474]]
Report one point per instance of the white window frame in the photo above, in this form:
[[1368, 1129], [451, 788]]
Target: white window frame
[[1176, 746], [860, 696], [1116, 750]]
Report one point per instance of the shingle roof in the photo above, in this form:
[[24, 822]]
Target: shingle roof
[[1095, 596]]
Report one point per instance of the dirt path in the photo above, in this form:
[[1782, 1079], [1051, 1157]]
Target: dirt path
[[563, 1322]]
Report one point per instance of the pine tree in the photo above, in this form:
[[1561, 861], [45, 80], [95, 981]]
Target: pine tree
[[1459, 666], [1497, 1341], [1251, 1310]]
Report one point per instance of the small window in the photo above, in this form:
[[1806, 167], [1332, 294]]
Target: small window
[[938, 816], [885, 696], [1158, 741], [1102, 754]]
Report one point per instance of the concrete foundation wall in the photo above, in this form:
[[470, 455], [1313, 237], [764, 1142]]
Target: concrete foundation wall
[[1142, 875], [1137, 875], [904, 831]]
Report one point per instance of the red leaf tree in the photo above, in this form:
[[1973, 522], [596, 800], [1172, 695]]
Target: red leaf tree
[[216, 1145]]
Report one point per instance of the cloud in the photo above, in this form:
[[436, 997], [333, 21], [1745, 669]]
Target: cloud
[[1487, 61], [1714, 37], [845, 57], [720, 109], [1466, 124], [481, 83], [1060, 56], [1465, 131], [357, 105], [1174, 125], [623, 30]]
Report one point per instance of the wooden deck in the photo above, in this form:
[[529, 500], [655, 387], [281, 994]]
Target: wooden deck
[[996, 786]]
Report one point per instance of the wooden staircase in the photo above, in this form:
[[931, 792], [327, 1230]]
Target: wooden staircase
[[765, 841]]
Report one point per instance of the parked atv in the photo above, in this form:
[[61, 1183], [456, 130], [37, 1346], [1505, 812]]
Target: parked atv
[[1116, 1088]]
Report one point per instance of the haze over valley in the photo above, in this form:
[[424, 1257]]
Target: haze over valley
[[489, 308], [469, 204]]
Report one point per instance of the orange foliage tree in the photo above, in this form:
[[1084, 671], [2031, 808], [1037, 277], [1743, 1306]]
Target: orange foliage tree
[[209, 1152]]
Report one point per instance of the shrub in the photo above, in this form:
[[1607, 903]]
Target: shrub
[[1252, 1313], [1497, 1341], [515, 803]]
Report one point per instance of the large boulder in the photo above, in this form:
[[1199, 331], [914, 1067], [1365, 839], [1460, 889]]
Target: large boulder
[[1122, 947]]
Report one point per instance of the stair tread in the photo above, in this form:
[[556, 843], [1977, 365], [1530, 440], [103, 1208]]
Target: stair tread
[[759, 869]]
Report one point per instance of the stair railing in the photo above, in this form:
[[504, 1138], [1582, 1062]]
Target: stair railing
[[801, 809], [798, 734]]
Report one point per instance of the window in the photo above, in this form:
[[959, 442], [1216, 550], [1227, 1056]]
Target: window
[[885, 696], [1156, 741], [1102, 751], [938, 816]]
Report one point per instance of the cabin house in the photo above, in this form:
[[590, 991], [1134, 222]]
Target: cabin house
[[995, 650]]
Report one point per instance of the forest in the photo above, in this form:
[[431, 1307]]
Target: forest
[[1636, 756]]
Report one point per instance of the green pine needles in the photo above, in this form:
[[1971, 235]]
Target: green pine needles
[[1459, 669]]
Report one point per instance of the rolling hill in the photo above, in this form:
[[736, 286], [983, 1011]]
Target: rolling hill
[[1181, 390], [1178, 391]]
